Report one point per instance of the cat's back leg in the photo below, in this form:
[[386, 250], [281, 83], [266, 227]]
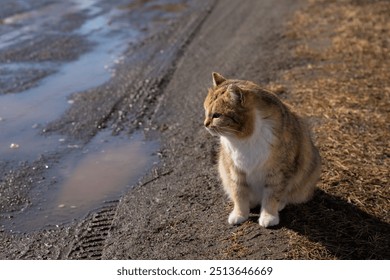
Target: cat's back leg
[[303, 189]]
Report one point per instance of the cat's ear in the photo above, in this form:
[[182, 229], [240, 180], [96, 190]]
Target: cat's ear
[[236, 94], [217, 79]]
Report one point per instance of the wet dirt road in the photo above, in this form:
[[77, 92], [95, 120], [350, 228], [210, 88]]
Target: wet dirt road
[[90, 87]]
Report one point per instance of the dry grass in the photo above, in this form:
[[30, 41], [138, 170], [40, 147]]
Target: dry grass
[[344, 89]]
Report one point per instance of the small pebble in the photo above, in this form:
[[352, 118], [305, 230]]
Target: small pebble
[[14, 146]]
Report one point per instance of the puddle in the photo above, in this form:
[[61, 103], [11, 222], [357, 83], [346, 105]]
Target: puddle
[[107, 166], [101, 171], [23, 114]]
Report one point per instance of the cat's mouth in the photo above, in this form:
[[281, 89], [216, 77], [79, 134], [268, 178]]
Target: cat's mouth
[[218, 131], [213, 131]]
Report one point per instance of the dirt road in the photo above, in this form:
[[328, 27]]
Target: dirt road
[[178, 210]]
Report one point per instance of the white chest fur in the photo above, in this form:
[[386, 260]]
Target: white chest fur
[[250, 154]]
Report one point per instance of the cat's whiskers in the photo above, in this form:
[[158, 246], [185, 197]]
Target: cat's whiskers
[[230, 131], [213, 130], [218, 131]]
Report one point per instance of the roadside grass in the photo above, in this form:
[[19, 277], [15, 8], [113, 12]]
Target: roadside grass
[[344, 91]]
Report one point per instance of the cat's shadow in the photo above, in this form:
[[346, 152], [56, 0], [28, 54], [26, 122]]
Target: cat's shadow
[[342, 228]]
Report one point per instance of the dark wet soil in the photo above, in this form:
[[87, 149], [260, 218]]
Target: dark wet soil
[[186, 210], [178, 210]]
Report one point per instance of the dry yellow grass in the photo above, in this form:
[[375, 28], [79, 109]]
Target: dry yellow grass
[[344, 89]]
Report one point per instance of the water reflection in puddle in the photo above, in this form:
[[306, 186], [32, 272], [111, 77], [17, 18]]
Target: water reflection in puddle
[[108, 166], [105, 167], [100, 172], [24, 114]]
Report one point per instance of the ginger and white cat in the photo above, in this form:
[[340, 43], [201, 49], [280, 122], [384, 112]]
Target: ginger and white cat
[[266, 153]]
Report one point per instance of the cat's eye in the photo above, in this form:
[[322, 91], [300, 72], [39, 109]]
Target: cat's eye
[[216, 115]]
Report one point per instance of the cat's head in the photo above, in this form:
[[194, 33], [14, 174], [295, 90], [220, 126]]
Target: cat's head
[[227, 109]]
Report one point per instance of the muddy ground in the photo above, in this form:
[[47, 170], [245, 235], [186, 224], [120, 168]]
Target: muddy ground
[[327, 60]]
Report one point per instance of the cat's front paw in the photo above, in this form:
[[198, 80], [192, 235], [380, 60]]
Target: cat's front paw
[[236, 219], [268, 220]]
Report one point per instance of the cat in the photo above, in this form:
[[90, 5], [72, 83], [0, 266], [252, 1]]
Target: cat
[[266, 156]]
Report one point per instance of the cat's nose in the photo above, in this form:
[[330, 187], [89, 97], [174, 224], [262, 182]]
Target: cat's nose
[[207, 122]]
